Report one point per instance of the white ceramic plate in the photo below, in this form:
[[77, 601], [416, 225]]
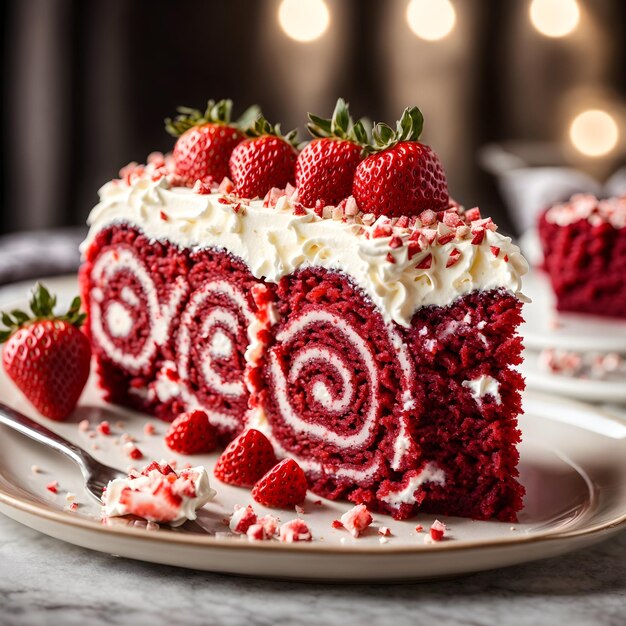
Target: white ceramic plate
[[545, 327], [573, 464], [586, 389]]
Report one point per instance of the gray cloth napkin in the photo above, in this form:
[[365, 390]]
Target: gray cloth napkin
[[30, 255]]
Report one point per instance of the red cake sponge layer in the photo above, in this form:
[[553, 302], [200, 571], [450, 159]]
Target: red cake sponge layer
[[586, 264], [400, 419]]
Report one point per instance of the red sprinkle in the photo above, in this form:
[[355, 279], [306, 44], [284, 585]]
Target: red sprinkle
[[396, 242], [425, 263], [479, 235], [455, 255]]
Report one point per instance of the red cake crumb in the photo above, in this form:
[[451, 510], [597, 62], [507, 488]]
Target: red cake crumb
[[83, 425], [295, 530], [356, 520], [53, 486], [337, 524], [437, 530], [149, 429], [132, 451], [256, 532], [419, 528], [384, 531], [242, 518], [104, 428]]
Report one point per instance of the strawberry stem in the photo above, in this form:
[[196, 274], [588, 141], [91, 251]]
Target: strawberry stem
[[42, 305], [408, 128], [339, 126], [215, 113], [262, 127]]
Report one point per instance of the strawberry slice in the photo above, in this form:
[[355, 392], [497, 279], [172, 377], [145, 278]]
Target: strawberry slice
[[246, 459], [191, 433], [282, 487]]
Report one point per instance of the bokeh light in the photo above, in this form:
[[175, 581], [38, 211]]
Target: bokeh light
[[594, 133], [431, 19], [554, 18], [303, 20]]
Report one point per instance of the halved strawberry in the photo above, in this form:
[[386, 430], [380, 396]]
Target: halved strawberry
[[206, 140], [191, 433], [246, 459], [325, 167], [266, 160], [403, 176], [282, 487], [47, 356]]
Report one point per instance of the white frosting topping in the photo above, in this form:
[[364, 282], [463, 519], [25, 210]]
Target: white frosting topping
[[588, 207], [484, 386], [273, 242], [150, 496]]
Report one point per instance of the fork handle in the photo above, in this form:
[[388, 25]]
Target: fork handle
[[22, 424]]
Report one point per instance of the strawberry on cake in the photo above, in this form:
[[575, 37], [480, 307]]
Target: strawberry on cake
[[584, 247], [334, 299]]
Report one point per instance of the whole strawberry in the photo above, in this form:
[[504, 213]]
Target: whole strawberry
[[47, 356], [403, 176], [325, 167], [206, 140], [246, 459], [191, 433], [266, 160], [282, 487]]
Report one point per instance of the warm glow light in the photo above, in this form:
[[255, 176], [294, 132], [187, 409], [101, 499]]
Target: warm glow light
[[431, 19], [303, 20], [554, 18], [594, 133]]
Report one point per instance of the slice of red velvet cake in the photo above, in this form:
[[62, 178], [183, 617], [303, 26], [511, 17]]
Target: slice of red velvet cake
[[377, 351], [584, 246]]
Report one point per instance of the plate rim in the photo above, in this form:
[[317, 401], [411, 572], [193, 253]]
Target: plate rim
[[27, 506]]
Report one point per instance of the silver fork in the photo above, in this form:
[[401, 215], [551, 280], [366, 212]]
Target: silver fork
[[96, 474]]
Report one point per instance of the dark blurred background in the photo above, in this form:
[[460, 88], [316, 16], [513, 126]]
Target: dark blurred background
[[86, 84]]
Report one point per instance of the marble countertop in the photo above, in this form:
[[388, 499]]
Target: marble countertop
[[44, 581]]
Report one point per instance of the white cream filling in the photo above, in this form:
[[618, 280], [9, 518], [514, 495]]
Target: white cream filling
[[281, 387], [483, 386], [430, 473]]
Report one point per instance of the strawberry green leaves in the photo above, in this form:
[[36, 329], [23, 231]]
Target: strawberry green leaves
[[215, 113], [339, 126], [42, 306], [408, 128]]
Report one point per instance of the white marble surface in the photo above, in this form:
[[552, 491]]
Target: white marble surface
[[44, 581]]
